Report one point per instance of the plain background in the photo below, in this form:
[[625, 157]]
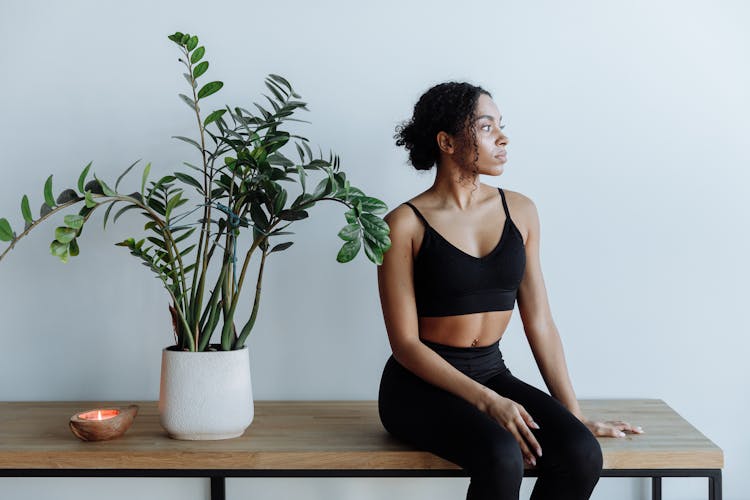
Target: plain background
[[628, 126]]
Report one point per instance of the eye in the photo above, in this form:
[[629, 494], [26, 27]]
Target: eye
[[488, 127]]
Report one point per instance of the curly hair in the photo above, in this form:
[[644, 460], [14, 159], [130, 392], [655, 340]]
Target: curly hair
[[447, 107]]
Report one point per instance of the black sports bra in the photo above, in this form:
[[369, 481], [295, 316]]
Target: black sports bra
[[449, 281]]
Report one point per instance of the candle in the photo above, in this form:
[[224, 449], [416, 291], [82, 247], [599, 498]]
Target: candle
[[101, 424], [99, 414]]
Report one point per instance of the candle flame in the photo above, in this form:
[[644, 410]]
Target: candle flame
[[99, 414]]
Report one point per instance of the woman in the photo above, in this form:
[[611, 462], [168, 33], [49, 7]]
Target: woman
[[447, 288]]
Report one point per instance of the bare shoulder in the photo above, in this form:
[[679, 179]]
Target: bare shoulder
[[403, 223], [523, 212], [519, 202]]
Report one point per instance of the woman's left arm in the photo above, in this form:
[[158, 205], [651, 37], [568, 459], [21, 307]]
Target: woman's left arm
[[540, 329]]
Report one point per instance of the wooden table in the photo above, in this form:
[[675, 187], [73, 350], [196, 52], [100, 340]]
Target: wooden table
[[320, 439]]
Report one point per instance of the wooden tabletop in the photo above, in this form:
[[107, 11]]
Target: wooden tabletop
[[313, 435]]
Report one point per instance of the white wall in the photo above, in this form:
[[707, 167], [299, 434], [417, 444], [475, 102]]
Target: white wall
[[627, 123]]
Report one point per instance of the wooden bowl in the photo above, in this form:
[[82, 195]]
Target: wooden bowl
[[116, 421]]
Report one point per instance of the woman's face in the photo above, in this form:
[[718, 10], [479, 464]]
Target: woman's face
[[491, 142]]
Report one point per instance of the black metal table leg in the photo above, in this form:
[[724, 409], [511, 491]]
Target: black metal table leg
[[218, 488], [656, 488], [714, 485]]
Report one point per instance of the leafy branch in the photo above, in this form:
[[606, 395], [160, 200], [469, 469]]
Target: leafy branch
[[239, 184]]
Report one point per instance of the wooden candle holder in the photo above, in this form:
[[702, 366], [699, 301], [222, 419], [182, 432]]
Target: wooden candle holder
[[87, 427]]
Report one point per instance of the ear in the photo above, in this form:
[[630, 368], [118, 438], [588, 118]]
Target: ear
[[445, 142]]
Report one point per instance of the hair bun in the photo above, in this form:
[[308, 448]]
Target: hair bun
[[444, 107]]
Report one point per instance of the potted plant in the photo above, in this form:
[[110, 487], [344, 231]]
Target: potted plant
[[193, 244]]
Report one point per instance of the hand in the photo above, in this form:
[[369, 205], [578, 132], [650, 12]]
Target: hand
[[611, 428], [514, 418]]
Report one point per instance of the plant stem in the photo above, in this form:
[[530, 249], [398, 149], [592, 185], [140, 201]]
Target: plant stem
[[240, 342], [35, 223]]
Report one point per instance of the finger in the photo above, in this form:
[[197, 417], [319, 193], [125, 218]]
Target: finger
[[529, 437], [606, 430], [528, 419], [525, 451], [617, 422], [615, 432], [626, 427]]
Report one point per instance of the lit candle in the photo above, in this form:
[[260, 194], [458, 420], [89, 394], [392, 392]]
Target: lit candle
[[99, 414], [101, 424]]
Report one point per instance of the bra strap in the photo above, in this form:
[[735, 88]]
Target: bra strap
[[505, 205], [421, 217]]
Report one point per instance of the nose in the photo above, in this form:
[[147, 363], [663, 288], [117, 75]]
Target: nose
[[502, 139]]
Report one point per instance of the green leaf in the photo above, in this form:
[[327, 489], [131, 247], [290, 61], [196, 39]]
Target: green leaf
[[26, 210], [280, 247], [349, 232], [187, 250], [189, 180], [373, 223], [276, 94], [192, 42], [279, 202], [292, 215], [90, 203], [106, 214], [65, 234], [349, 250], [82, 177], [373, 205], [281, 80], [189, 78], [197, 54], [93, 186], [184, 39], [173, 203], [73, 248], [188, 101], [214, 116], [67, 196], [188, 140], [157, 206], [379, 239], [209, 89], [105, 189], [184, 236], [176, 37], [58, 249], [145, 177], [6, 233], [122, 211], [200, 69], [117, 184], [74, 221], [157, 241], [373, 253], [48, 198], [126, 243], [259, 216], [351, 216]]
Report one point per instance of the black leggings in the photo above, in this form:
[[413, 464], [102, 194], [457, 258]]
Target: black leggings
[[437, 421]]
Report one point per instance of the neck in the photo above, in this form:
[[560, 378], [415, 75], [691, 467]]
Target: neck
[[456, 186]]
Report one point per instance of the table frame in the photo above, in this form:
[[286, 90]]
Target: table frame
[[218, 477]]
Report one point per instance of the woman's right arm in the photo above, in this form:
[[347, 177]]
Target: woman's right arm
[[396, 285]]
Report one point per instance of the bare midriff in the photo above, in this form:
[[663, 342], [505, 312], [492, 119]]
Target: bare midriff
[[465, 330]]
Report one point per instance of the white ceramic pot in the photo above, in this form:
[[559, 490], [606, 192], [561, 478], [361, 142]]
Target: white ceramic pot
[[205, 395]]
